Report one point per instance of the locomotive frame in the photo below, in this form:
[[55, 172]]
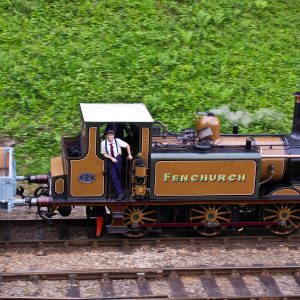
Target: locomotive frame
[[197, 178]]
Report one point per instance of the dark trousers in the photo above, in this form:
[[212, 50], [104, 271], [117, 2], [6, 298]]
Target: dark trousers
[[115, 170]]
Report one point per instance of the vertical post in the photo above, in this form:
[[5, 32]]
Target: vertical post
[[296, 121], [145, 144], [126, 179]]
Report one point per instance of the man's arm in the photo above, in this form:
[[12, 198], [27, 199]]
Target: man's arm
[[123, 144], [109, 157], [129, 156]]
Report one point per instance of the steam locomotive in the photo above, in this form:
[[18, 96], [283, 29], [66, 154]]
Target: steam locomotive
[[197, 178]]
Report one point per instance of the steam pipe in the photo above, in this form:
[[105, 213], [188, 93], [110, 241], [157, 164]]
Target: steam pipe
[[165, 128], [40, 202], [33, 178], [272, 171]]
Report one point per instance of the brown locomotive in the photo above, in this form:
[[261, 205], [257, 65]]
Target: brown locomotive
[[197, 178]]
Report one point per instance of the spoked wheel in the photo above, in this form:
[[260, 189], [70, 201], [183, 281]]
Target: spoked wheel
[[134, 215], [287, 216], [211, 216]]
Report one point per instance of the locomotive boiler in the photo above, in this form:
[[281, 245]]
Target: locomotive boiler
[[197, 178]]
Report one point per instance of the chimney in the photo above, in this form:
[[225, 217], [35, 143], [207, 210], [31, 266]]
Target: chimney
[[296, 121]]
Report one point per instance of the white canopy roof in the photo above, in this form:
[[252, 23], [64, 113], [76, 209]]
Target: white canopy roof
[[115, 112]]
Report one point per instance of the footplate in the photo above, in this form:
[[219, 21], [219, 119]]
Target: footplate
[[116, 229]]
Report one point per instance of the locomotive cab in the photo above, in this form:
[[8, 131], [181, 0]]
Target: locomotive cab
[[80, 173]]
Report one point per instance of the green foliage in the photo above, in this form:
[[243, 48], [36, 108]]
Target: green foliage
[[174, 56]]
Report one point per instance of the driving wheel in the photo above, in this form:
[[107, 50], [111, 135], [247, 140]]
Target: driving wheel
[[135, 215], [286, 215], [211, 217]]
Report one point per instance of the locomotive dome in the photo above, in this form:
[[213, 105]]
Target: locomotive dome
[[207, 124]]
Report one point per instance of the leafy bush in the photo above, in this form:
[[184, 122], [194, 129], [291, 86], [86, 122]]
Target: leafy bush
[[174, 56]]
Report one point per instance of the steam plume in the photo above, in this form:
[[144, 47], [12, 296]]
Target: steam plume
[[244, 117]]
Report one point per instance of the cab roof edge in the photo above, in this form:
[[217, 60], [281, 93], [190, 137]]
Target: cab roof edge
[[115, 112]]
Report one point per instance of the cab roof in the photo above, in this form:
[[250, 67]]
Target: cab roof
[[115, 112]]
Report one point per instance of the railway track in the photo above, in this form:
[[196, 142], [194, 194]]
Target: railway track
[[81, 232], [176, 283], [67, 234]]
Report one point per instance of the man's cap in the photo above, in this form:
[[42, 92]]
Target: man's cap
[[110, 131]]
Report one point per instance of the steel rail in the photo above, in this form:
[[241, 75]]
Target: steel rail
[[136, 273], [87, 222], [35, 221], [122, 242], [97, 298], [281, 297]]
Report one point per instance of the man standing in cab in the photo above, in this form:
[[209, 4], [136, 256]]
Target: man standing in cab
[[111, 149]]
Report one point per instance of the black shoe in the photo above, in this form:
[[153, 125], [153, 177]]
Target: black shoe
[[120, 197]]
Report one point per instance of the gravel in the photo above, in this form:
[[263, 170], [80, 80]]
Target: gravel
[[81, 258], [287, 284], [52, 258], [193, 286]]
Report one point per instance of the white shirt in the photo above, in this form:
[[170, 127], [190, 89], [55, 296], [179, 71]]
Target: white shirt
[[120, 144]]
